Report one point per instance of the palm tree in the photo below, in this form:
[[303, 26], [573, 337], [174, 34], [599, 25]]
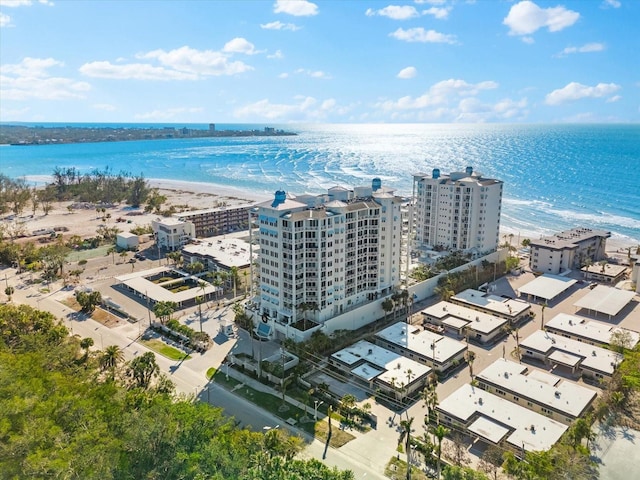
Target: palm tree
[[112, 250], [86, 344], [387, 306], [406, 432], [164, 309], [544, 306], [111, 357], [233, 273], [440, 432]]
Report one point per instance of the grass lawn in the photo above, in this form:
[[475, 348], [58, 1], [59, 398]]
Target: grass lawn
[[165, 350], [397, 469], [273, 404], [338, 437]]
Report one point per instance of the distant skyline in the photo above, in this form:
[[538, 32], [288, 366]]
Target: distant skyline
[[355, 61]]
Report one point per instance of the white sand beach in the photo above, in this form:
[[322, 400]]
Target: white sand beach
[[195, 196]]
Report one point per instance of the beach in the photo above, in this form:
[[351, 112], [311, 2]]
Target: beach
[[188, 196]]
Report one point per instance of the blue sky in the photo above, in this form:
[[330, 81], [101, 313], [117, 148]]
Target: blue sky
[[337, 61]]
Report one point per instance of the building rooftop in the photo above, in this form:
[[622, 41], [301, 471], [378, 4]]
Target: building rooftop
[[607, 270], [193, 213], [547, 286], [593, 358], [502, 419], [450, 312], [169, 221], [568, 238], [607, 300], [560, 395], [422, 342], [229, 252], [588, 329], [138, 282], [492, 303], [377, 362]]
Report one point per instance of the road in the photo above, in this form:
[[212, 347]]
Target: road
[[188, 376]]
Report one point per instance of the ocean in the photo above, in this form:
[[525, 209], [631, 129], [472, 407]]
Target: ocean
[[556, 176]]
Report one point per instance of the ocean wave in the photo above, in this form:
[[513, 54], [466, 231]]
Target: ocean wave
[[601, 218]]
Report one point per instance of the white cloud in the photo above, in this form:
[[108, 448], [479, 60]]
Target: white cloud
[[133, 71], [421, 35], [186, 63], [23, 3], [276, 55], [576, 91], [277, 25], [394, 12], [240, 45], [406, 73], [302, 108], [5, 20], [438, 12], [431, 2], [528, 40], [30, 79], [283, 75], [614, 99], [170, 113], [586, 48], [611, 4], [441, 93], [104, 106], [297, 8], [526, 17], [313, 73]]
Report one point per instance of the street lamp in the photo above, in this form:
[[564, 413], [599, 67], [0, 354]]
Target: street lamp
[[316, 404]]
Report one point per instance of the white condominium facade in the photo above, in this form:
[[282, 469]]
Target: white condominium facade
[[568, 250], [326, 254], [459, 211]]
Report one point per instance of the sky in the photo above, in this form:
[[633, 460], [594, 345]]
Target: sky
[[337, 61]]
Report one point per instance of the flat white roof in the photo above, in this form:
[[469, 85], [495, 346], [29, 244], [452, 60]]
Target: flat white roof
[[607, 300], [448, 312], [388, 366], [127, 235], [138, 282], [489, 429], [492, 303], [589, 329], [230, 252], [563, 396], [547, 286], [594, 358], [422, 341], [468, 401], [610, 270]]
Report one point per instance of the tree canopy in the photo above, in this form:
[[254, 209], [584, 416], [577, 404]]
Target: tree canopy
[[64, 417]]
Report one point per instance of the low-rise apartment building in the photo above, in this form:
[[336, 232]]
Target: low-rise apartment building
[[498, 421], [510, 309], [217, 221], [171, 233], [605, 273], [588, 331], [567, 250], [541, 392], [423, 346], [580, 358], [378, 368], [465, 322]]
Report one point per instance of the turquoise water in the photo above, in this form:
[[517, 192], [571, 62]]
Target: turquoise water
[[556, 176]]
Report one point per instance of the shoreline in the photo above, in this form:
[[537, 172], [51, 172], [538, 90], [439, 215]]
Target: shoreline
[[202, 195]]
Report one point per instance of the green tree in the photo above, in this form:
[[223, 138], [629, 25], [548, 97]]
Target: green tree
[[440, 432], [111, 357], [86, 343], [88, 301], [138, 191], [164, 309], [406, 428], [491, 461], [454, 472], [143, 369], [8, 291]]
